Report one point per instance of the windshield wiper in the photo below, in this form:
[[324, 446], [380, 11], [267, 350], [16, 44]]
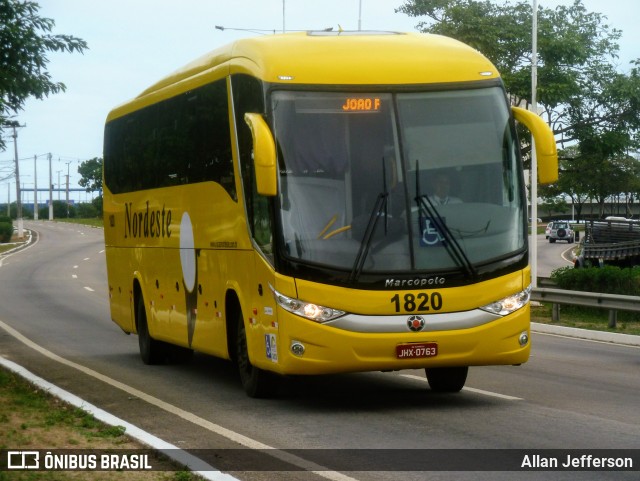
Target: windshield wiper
[[379, 208], [450, 243]]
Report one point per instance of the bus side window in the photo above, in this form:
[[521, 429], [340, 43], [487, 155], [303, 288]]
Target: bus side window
[[248, 97]]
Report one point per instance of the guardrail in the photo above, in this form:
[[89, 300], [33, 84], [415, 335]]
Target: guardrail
[[612, 302]]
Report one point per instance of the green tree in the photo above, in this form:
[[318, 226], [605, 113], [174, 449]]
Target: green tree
[[25, 40], [62, 210], [574, 180], [91, 173]]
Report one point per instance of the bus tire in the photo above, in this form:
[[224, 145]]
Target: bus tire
[[256, 382], [151, 351], [447, 379]]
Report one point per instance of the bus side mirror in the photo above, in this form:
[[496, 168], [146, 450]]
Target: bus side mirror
[[264, 155], [546, 149]]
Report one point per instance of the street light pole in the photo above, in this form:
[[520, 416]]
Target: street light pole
[[534, 160]]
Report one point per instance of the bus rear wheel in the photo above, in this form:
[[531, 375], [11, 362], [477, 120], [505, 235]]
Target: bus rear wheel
[[151, 351], [256, 382], [447, 379]]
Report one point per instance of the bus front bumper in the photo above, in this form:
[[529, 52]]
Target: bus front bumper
[[302, 347]]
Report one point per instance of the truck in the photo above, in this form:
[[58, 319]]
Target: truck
[[614, 241]]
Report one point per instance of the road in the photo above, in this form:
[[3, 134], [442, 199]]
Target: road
[[552, 256], [572, 394]]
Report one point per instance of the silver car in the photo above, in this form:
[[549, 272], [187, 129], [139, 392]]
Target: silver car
[[561, 231]]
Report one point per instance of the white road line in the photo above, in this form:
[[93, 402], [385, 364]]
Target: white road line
[[75, 267], [89, 289], [471, 389], [567, 255], [74, 276], [86, 258], [186, 415]]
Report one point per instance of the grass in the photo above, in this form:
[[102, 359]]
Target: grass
[[587, 318], [95, 222], [33, 419]]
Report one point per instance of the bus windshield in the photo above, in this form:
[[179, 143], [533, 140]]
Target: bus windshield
[[390, 182]]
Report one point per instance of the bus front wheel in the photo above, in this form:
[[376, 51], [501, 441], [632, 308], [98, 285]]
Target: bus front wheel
[[151, 351], [256, 382], [447, 379]]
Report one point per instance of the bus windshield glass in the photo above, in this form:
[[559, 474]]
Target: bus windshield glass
[[390, 182]]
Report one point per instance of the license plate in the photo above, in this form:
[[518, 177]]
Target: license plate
[[416, 350]]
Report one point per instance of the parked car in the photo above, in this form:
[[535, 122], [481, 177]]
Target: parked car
[[561, 230]]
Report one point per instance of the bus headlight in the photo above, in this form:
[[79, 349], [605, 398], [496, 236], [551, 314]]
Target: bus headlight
[[509, 304], [307, 310]]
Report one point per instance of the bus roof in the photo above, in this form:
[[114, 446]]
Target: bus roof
[[336, 58]]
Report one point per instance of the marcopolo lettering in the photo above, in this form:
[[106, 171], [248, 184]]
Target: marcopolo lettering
[[148, 223], [418, 282]]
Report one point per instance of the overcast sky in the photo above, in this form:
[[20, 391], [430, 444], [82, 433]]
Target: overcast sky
[[133, 43]]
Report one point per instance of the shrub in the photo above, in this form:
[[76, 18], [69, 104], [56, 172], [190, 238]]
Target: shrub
[[6, 231], [606, 279]]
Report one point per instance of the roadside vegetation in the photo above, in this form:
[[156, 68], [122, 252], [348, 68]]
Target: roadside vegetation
[[30, 418], [587, 318], [607, 280]]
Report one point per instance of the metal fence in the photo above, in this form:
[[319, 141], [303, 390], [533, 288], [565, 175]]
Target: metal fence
[[611, 302]]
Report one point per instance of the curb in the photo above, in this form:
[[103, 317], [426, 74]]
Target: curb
[[600, 336], [193, 463]]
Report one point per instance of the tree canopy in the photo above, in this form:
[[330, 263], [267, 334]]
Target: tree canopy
[[25, 41], [91, 175]]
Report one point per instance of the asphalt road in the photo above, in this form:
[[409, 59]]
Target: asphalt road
[[552, 256], [54, 320]]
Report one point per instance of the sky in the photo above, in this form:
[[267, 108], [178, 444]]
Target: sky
[[134, 43]]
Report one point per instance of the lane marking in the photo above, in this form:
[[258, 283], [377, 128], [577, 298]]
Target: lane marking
[[471, 389], [181, 413], [564, 255], [89, 289], [13, 252], [86, 258], [74, 276]]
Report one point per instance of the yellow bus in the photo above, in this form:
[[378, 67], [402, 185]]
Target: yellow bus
[[324, 202]]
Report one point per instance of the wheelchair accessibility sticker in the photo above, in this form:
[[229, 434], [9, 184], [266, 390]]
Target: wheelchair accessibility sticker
[[430, 235]]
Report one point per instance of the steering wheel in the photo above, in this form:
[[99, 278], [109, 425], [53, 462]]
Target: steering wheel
[[324, 235]]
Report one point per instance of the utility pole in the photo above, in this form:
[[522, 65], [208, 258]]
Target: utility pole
[[18, 197], [35, 187], [68, 188], [50, 190]]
